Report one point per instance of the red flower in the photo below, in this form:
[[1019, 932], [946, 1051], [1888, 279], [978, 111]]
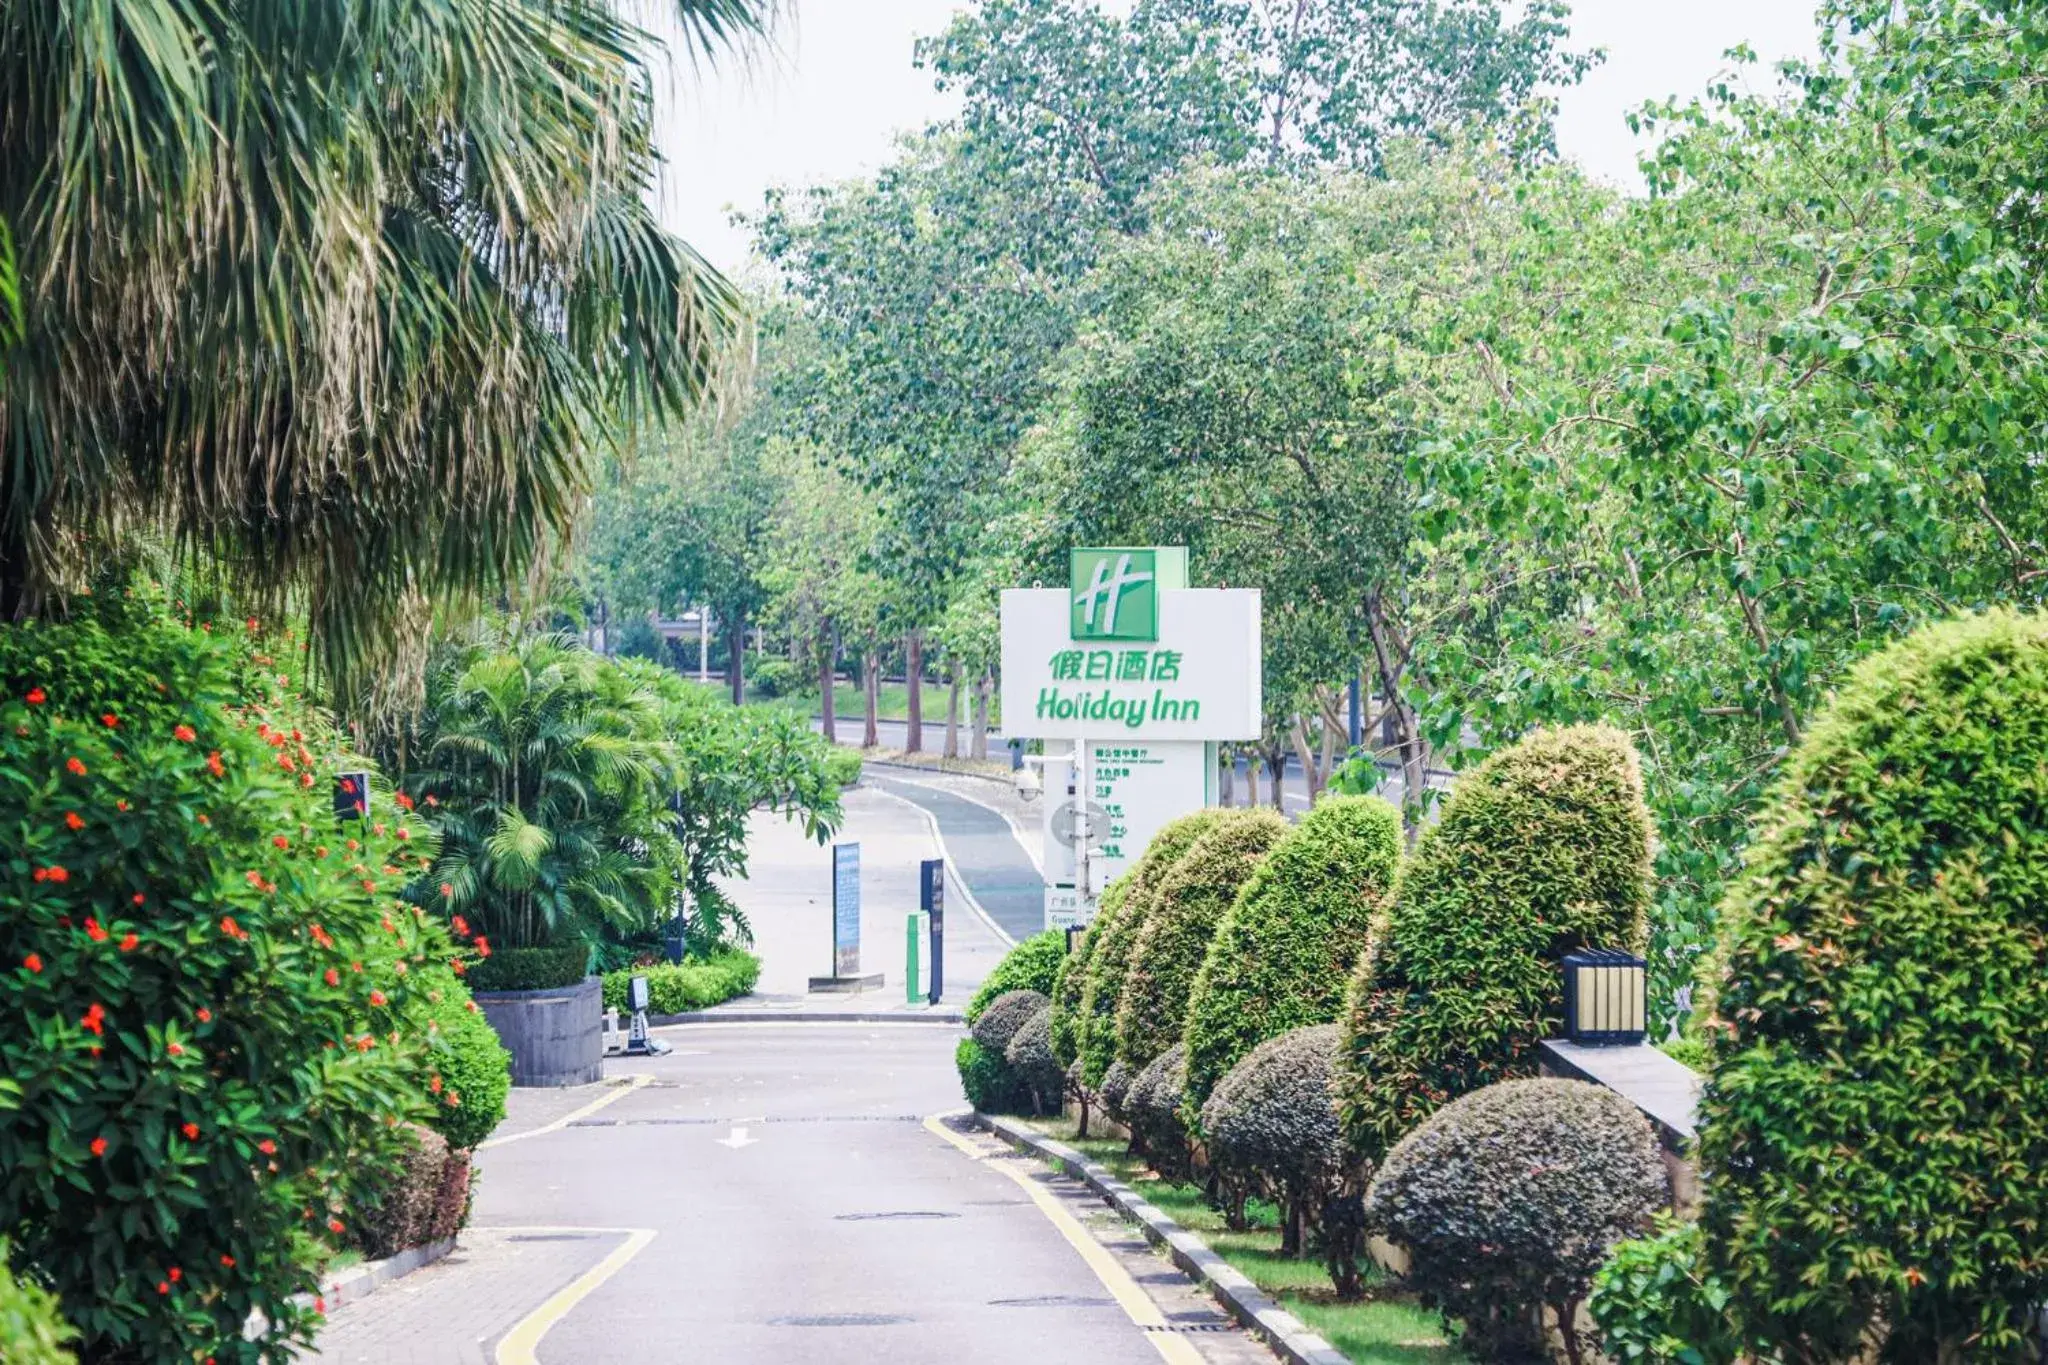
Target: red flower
[[192, 1132], [483, 946], [109, 721], [77, 766], [176, 1274], [280, 841], [93, 930], [404, 833], [267, 1147], [128, 942], [205, 1015], [228, 1261], [137, 898], [74, 820], [333, 977], [284, 761], [365, 1043], [55, 874], [334, 1225], [252, 623], [472, 1005], [186, 733], [162, 1287], [213, 762], [175, 1049], [121, 805], [36, 696], [232, 929], [33, 962], [99, 1146], [404, 801], [355, 966], [376, 997], [320, 1306], [435, 1085], [93, 1021]]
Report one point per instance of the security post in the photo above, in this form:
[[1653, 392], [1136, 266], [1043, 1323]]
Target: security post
[[931, 898]]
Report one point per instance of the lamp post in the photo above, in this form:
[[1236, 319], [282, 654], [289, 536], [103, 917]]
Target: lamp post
[[1604, 995]]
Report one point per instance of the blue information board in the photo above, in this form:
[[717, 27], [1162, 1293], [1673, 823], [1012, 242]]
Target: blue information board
[[846, 909]]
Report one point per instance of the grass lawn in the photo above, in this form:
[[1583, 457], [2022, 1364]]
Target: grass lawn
[[1386, 1327]]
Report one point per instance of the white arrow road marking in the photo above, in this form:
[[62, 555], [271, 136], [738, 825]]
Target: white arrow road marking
[[738, 1139]]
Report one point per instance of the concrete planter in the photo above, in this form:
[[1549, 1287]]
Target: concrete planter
[[556, 1037]]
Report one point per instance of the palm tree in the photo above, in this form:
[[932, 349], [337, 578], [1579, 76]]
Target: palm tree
[[545, 770], [345, 297]]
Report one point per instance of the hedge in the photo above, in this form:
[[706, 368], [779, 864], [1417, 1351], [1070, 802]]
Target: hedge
[[1287, 945], [531, 969], [468, 1071], [1543, 849], [1070, 982], [1510, 1198], [1032, 965], [1031, 1062], [680, 987], [1116, 930], [1152, 1109], [1875, 1129], [1190, 902], [402, 1214]]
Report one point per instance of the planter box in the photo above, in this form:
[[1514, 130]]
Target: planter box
[[556, 1037]]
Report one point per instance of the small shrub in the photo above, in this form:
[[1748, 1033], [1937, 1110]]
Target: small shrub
[[1116, 1092], [1543, 849], [453, 1200], [985, 1078], [772, 678], [680, 987], [1154, 1107], [1002, 1018], [32, 1331], [1037, 1071], [1874, 1135], [1508, 1201], [1271, 1128], [531, 969], [1655, 1303], [469, 1072], [843, 766], [1191, 901], [402, 1214], [1116, 930], [1070, 984], [1032, 965], [1287, 945]]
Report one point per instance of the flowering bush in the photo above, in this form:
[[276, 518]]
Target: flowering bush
[[692, 984], [468, 1070], [207, 1037]]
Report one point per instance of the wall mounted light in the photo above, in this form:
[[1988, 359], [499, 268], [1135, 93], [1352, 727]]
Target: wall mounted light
[[1604, 995]]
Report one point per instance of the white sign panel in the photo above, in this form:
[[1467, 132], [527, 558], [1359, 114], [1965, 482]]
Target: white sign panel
[[1198, 680], [1140, 787]]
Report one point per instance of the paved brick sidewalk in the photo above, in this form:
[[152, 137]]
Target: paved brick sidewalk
[[452, 1312]]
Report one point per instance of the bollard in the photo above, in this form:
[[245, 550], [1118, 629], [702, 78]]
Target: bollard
[[910, 937]]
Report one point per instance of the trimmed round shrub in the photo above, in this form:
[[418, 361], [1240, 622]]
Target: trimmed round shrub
[[1509, 1199], [32, 1331], [1190, 902], [1154, 1105], [207, 1036], [693, 984], [1037, 1071], [1006, 1014], [985, 1078], [1542, 850], [531, 969], [1116, 1092], [402, 1214], [1655, 1301], [1115, 932], [1070, 982], [1271, 1128], [1030, 966], [1287, 945], [469, 1072], [1874, 1135]]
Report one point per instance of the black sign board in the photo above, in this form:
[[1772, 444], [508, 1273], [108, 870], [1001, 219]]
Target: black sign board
[[351, 795], [931, 898]]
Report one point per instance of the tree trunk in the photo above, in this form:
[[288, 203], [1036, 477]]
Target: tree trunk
[[736, 657], [871, 686], [1306, 754], [978, 748], [953, 716], [1226, 777], [1251, 779], [1275, 756], [913, 691], [827, 680], [1390, 662]]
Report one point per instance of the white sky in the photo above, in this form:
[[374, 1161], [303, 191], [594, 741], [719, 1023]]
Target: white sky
[[827, 103]]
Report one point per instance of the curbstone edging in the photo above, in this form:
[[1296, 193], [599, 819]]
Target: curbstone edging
[[360, 1280], [1288, 1335]]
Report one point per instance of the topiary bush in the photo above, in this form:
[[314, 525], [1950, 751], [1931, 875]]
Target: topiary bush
[[1032, 965], [1115, 932], [1874, 1134], [531, 969], [1543, 849], [206, 1019], [401, 1216], [1037, 1072], [1287, 945], [468, 1071], [1070, 982], [985, 1074], [1509, 1199], [985, 1078], [457, 1193], [1154, 1109], [1271, 1128], [32, 1331], [1654, 1302], [1002, 1018], [1116, 1092], [1190, 902], [692, 984]]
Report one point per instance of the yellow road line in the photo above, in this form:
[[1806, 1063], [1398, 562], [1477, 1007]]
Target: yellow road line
[[518, 1345], [1137, 1305], [617, 1093]]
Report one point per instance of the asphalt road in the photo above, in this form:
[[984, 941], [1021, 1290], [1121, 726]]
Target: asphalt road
[[982, 851]]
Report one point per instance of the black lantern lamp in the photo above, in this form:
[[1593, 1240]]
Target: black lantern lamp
[[351, 795], [1604, 992]]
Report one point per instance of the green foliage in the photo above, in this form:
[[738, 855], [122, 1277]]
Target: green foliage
[[1182, 917], [1032, 965], [774, 678], [1884, 975], [469, 1072], [207, 988], [843, 766], [1006, 1014], [1543, 849], [530, 969], [985, 1078], [1509, 1199], [401, 1216], [1116, 1091], [1288, 943], [1152, 1110], [1031, 1062], [1655, 1304], [693, 984], [403, 396], [1118, 919], [32, 1331]]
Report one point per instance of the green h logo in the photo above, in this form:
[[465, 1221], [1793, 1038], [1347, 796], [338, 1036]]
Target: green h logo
[[1116, 595]]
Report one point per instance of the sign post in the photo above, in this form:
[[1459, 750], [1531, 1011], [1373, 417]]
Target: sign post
[[931, 897], [846, 974]]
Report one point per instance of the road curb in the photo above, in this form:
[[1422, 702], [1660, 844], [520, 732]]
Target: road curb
[[947, 1016], [360, 1280], [1288, 1335]]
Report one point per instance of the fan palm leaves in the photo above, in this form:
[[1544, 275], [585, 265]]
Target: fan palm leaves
[[547, 772], [347, 296]]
